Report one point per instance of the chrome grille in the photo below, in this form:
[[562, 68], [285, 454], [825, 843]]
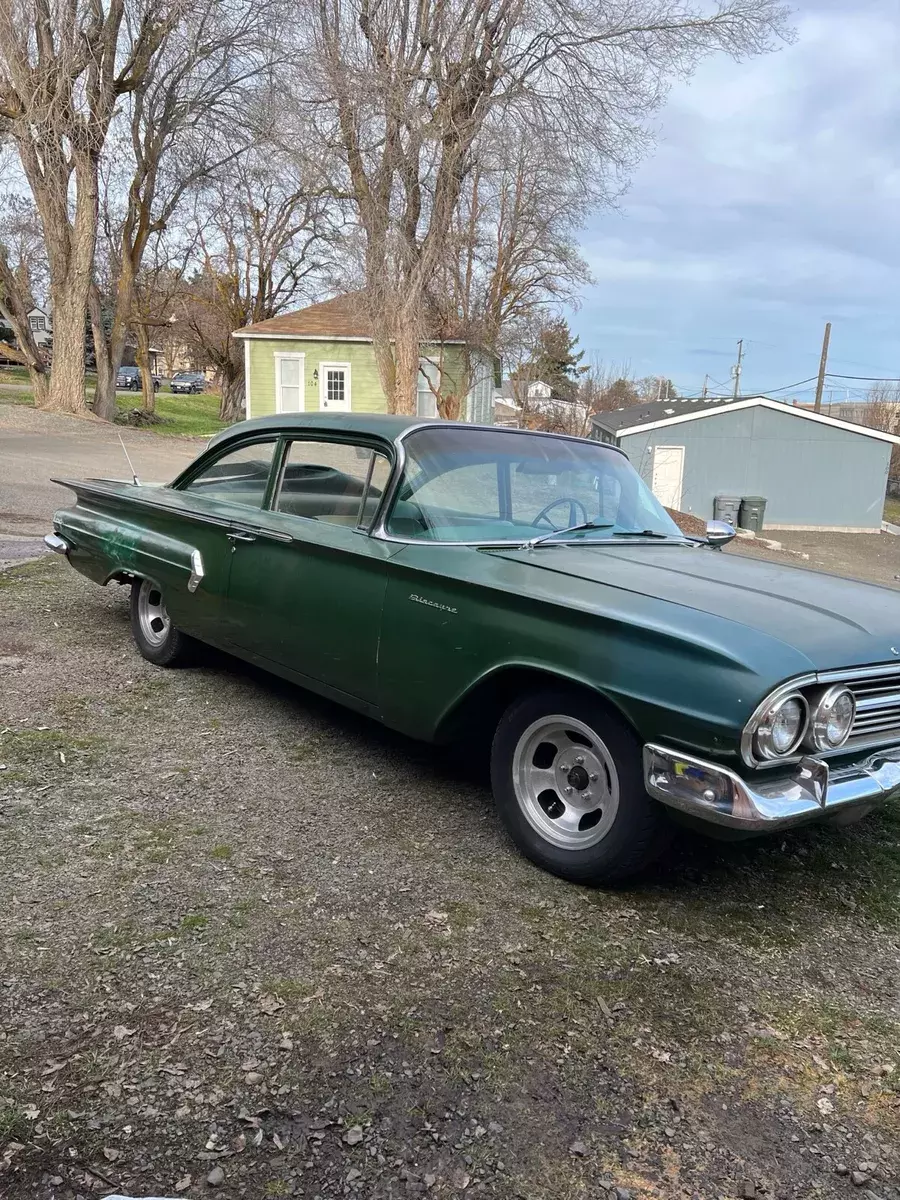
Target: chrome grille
[[877, 708]]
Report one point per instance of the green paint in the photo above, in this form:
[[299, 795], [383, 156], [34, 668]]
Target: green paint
[[683, 641], [366, 392]]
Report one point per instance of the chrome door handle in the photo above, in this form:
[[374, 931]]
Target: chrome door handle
[[242, 535]]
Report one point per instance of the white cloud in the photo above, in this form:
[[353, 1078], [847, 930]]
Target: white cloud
[[769, 205]]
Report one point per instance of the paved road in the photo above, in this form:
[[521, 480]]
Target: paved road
[[37, 446]]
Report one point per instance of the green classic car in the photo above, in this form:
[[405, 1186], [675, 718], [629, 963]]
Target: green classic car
[[453, 581]]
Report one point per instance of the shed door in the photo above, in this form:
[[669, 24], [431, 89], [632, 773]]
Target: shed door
[[668, 469]]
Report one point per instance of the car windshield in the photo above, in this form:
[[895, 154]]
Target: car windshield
[[479, 485]]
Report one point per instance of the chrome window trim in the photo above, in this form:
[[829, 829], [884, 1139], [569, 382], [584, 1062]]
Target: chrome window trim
[[378, 528]]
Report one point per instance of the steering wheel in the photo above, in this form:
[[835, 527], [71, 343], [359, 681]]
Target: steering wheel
[[574, 519]]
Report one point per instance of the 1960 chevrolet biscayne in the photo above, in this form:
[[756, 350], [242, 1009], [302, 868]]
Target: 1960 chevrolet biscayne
[[449, 580]]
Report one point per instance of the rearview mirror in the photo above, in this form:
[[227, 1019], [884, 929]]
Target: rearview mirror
[[719, 533]]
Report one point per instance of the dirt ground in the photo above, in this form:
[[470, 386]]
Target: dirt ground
[[874, 557], [254, 946]]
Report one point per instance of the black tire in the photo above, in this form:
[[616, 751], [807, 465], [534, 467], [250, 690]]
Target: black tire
[[632, 828], [164, 645]]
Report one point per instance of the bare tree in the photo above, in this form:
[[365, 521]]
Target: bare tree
[[882, 411], [63, 66], [511, 258], [264, 232], [188, 117], [23, 269], [404, 94]]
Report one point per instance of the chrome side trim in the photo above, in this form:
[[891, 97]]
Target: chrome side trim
[[717, 794], [55, 543], [197, 571]]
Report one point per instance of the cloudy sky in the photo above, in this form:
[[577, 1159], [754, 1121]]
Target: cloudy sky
[[771, 204]]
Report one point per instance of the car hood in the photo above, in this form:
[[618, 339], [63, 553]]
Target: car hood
[[833, 622]]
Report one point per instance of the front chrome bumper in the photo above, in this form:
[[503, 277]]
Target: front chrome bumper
[[812, 791]]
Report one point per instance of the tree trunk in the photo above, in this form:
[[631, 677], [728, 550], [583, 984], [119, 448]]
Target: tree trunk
[[66, 390], [105, 393], [142, 356], [118, 336], [233, 406], [40, 386], [406, 372]]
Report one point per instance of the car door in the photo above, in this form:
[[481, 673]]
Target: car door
[[307, 582], [201, 509]]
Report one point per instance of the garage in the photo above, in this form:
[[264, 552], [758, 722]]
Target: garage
[[815, 472]]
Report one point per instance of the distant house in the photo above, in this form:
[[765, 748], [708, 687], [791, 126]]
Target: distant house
[[322, 358], [517, 402], [40, 323], [815, 472]]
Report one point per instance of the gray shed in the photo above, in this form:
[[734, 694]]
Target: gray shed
[[815, 471]]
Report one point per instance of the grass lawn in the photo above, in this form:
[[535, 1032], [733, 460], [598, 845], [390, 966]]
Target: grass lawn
[[892, 510], [184, 416]]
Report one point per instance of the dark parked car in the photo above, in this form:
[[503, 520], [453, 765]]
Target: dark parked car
[[187, 382], [455, 581], [129, 380]]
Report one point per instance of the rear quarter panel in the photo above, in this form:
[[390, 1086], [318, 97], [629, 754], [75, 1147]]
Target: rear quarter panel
[[119, 530]]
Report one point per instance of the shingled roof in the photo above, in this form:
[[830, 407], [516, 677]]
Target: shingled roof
[[343, 317]]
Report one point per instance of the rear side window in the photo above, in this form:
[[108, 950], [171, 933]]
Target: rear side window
[[332, 481], [239, 476]]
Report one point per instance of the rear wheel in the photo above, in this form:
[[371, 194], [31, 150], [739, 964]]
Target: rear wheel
[[568, 781], [157, 638]]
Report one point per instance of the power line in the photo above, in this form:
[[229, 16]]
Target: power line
[[788, 386], [864, 378]]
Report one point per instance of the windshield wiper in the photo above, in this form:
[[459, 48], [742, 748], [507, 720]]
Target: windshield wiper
[[571, 529], [651, 533]]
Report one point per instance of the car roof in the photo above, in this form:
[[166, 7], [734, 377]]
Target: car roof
[[388, 427]]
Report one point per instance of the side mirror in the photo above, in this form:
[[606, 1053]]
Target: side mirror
[[719, 533]]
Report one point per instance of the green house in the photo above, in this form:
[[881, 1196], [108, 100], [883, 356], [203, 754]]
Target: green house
[[321, 358]]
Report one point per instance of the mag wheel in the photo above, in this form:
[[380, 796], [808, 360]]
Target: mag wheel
[[567, 778], [157, 638]]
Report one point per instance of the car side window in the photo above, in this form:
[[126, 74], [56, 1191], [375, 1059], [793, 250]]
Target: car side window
[[335, 482], [239, 476]]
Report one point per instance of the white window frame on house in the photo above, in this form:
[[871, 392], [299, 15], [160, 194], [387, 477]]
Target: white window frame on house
[[294, 357], [427, 370], [324, 368], [37, 324]]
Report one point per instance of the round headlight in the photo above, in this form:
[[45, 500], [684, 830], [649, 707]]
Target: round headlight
[[832, 719], [782, 726]]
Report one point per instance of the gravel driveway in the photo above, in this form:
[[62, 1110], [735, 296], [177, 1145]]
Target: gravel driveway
[[253, 946], [36, 446]]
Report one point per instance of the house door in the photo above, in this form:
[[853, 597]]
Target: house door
[[289, 373], [334, 387], [668, 472]]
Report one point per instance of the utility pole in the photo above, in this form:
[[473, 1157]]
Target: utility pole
[[705, 391], [736, 370], [823, 363]]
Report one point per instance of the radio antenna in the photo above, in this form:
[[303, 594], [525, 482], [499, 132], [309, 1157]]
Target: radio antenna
[[130, 463]]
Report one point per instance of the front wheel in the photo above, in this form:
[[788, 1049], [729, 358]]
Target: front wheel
[[568, 782], [156, 637]]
